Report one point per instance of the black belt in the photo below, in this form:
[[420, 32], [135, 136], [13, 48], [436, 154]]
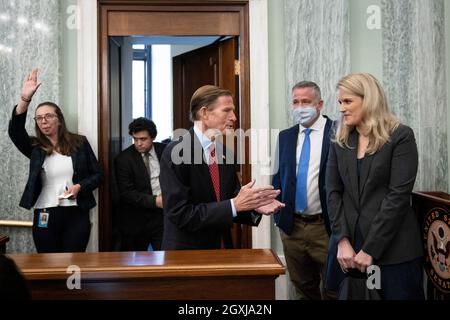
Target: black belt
[[309, 218]]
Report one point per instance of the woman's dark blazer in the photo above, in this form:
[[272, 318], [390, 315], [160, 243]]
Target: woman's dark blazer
[[86, 170], [380, 198]]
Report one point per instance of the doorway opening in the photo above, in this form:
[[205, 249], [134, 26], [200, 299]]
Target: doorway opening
[[138, 45]]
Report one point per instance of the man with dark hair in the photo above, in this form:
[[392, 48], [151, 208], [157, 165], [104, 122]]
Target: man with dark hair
[[140, 215], [202, 194]]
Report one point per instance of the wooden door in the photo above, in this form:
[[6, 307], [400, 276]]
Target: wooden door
[[212, 64], [170, 18], [115, 83], [115, 80]]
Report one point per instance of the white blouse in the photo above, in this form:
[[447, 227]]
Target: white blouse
[[56, 176]]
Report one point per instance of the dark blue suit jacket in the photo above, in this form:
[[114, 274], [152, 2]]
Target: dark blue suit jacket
[[285, 177], [86, 170]]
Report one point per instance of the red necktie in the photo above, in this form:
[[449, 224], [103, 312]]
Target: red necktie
[[214, 170]]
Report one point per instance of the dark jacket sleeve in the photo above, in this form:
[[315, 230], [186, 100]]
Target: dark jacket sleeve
[[251, 218], [127, 187], [180, 208], [92, 180], [18, 134], [396, 203], [276, 180], [335, 190]]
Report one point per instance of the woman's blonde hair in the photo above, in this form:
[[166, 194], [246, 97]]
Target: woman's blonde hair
[[377, 119]]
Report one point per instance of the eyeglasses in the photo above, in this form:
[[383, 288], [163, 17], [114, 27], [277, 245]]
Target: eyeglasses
[[47, 117]]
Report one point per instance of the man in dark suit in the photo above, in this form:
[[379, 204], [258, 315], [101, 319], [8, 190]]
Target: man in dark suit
[[201, 192], [303, 222], [140, 215]]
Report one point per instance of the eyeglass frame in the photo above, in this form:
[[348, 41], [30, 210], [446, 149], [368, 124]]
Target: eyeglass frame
[[47, 117]]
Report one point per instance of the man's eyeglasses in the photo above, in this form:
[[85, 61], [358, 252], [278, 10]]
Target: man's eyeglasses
[[47, 117]]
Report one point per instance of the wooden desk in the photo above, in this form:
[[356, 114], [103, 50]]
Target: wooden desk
[[200, 274], [3, 240]]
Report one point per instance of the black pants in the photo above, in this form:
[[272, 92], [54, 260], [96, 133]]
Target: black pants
[[401, 281], [140, 240], [67, 230]]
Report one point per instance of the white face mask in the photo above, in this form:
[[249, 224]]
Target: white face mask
[[304, 115]]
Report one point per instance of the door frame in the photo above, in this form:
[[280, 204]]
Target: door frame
[[114, 8]]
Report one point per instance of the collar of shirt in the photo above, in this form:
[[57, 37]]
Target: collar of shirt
[[317, 126], [204, 140], [152, 152]]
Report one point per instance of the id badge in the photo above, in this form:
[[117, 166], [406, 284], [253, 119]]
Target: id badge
[[43, 219]]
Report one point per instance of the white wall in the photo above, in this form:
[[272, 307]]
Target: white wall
[[87, 66], [366, 54], [69, 75]]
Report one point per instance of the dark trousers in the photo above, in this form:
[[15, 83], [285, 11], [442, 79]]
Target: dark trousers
[[68, 230], [140, 241], [403, 281]]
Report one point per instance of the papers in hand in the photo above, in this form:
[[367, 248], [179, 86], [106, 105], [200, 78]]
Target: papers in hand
[[65, 196]]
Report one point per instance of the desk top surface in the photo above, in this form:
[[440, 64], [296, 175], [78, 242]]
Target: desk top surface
[[436, 196], [96, 265]]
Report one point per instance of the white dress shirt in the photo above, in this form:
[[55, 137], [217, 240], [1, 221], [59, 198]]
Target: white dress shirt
[[312, 183]]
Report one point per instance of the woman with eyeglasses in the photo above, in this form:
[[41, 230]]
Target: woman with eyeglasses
[[63, 173]]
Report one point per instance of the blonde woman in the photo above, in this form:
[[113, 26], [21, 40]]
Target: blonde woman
[[371, 172]]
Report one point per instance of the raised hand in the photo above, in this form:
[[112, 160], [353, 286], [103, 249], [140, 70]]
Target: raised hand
[[30, 85], [29, 88]]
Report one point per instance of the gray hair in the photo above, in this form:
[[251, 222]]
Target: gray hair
[[309, 84]]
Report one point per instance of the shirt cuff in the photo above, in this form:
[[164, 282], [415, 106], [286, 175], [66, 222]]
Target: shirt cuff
[[233, 208]]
